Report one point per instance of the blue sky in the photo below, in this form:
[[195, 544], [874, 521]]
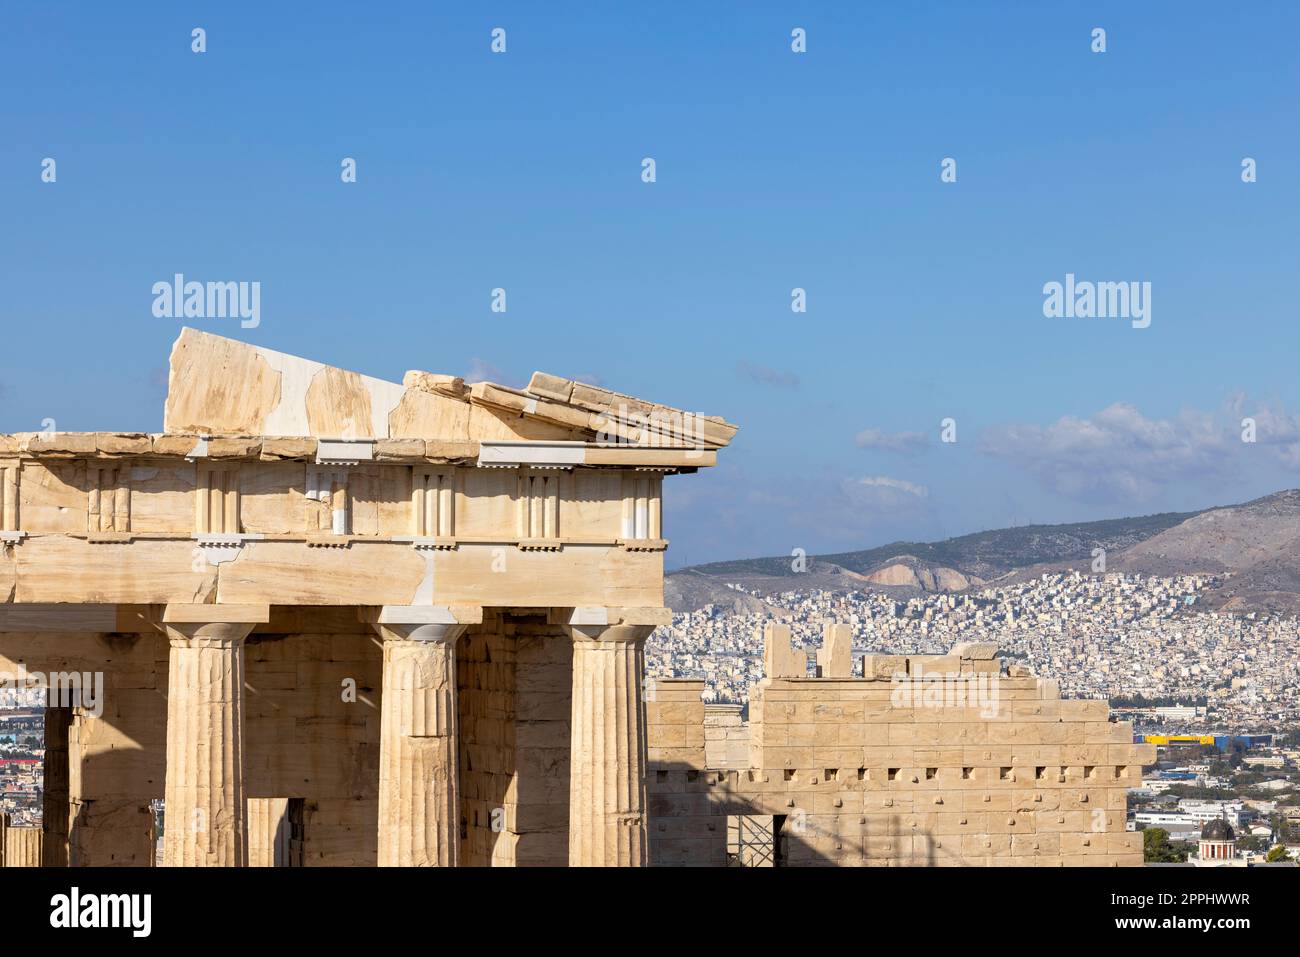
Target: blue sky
[[775, 170]]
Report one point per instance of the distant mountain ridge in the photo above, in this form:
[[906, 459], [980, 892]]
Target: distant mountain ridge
[[1256, 544]]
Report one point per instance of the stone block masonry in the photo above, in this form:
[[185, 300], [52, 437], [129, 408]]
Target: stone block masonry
[[926, 761]]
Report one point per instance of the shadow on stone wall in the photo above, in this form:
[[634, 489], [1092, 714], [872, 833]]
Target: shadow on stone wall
[[699, 818]]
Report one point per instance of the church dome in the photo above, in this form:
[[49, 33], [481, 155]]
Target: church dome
[[1217, 830]]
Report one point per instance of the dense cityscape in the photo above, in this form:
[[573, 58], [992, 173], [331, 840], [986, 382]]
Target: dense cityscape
[[1123, 637], [22, 753]]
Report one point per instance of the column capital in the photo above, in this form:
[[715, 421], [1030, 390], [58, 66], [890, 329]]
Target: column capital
[[421, 622], [609, 635], [447, 634], [211, 624], [603, 623]]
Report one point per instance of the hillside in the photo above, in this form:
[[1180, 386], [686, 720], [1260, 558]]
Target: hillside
[[913, 567], [1256, 544], [1254, 547], [687, 590]]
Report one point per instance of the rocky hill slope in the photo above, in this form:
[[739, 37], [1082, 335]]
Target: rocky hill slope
[[1254, 546]]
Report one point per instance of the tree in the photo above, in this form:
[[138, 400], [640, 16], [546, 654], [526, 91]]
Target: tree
[[1275, 854], [1250, 843], [1282, 829], [1156, 848]]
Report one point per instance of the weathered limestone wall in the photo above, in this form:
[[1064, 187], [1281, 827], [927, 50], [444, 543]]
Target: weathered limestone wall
[[726, 737], [881, 772], [485, 677], [312, 731], [116, 765], [675, 716], [514, 676], [686, 825], [543, 696]]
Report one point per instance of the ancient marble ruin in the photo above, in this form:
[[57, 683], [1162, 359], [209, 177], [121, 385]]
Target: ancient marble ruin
[[339, 620], [922, 760]]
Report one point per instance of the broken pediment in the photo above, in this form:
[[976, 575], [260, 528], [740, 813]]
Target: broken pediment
[[220, 386]]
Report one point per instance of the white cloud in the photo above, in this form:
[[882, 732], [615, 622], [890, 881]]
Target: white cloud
[[734, 512], [1122, 455], [1275, 428], [906, 442], [877, 492]]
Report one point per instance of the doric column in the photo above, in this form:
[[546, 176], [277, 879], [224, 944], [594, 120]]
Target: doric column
[[204, 803], [419, 758], [607, 796], [270, 833]]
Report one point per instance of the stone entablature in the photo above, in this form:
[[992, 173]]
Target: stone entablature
[[154, 530], [488, 495], [169, 497]]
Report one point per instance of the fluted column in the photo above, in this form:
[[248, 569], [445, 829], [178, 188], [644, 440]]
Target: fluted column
[[607, 796], [205, 811], [419, 755], [268, 832]]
